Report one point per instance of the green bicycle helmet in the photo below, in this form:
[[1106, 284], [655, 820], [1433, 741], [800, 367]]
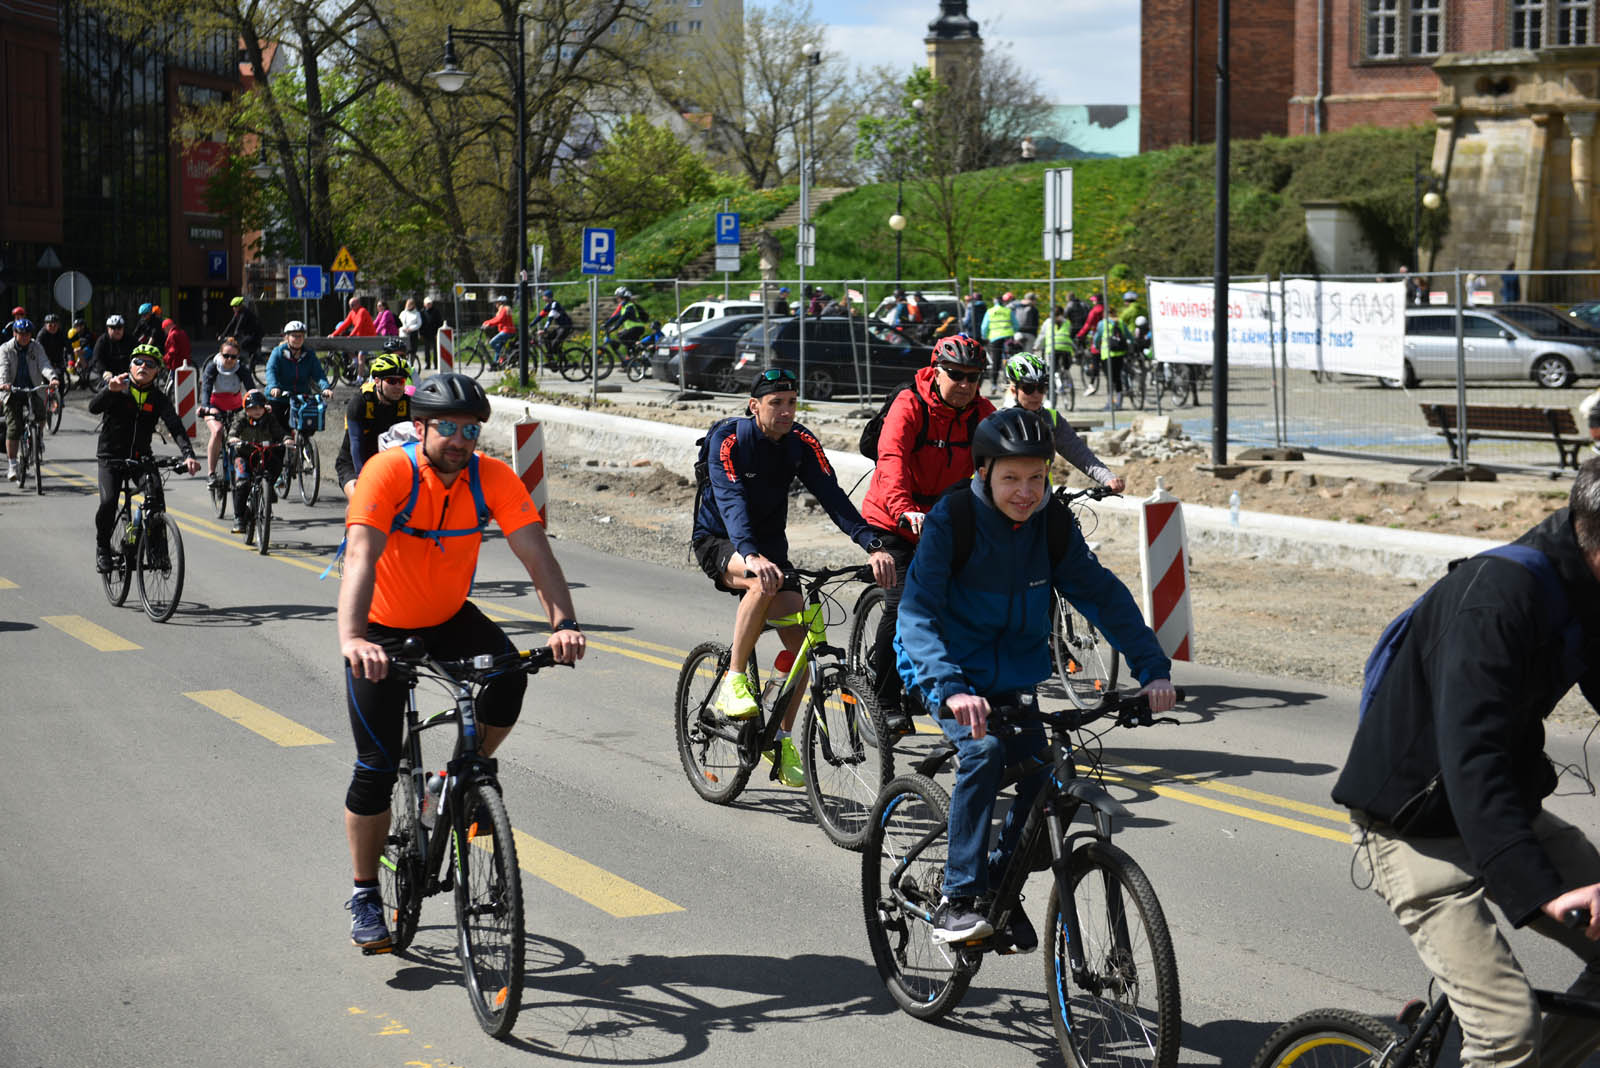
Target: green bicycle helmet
[[388, 365], [146, 350], [1026, 368]]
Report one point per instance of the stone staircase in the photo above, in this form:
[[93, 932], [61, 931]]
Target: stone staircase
[[701, 268]]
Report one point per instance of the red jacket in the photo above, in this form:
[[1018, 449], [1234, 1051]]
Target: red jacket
[[501, 322], [360, 323], [1092, 320], [910, 479], [177, 349]]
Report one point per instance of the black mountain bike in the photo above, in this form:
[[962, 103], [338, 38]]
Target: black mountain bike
[[1109, 970], [1337, 1038], [221, 487], [30, 447], [838, 728], [258, 517], [146, 540], [452, 833]]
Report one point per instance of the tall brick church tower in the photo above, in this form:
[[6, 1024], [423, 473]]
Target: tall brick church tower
[[954, 46]]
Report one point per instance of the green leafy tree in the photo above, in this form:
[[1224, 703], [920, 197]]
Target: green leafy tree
[[644, 172]]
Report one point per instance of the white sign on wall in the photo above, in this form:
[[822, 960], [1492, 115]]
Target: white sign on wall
[[1348, 327]]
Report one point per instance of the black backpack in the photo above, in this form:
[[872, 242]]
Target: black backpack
[[702, 463], [964, 523], [868, 445]]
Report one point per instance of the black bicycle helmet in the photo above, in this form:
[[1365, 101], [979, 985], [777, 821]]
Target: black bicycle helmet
[[450, 392], [1012, 432], [395, 344]]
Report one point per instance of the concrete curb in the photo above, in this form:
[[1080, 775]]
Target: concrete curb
[[575, 434]]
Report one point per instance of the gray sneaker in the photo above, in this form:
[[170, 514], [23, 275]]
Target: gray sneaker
[[367, 929], [958, 920]]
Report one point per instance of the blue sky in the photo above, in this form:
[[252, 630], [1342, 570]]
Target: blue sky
[[1082, 51]]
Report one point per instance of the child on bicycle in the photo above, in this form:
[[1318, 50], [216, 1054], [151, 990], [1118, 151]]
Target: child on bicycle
[[1027, 380], [983, 631], [739, 536], [252, 434]]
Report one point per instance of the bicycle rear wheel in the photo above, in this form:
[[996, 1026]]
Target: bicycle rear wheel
[[120, 577], [709, 745], [400, 874], [844, 764], [635, 366], [864, 632], [906, 847], [220, 490], [261, 518], [309, 470], [160, 554], [1124, 1008], [1327, 1038], [489, 908], [1086, 663]]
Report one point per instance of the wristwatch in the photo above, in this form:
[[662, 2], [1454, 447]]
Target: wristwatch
[[567, 624], [875, 545]]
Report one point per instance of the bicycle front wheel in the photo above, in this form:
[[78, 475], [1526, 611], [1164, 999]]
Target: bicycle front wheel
[[903, 860], [220, 490], [38, 459], [1123, 1008], [1086, 663], [489, 908], [400, 874], [261, 521], [257, 492], [844, 764], [708, 742], [574, 363], [309, 471], [58, 405], [864, 632], [160, 554], [1327, 1038]]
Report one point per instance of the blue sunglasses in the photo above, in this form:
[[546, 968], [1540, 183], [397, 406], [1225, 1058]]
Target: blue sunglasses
[[449, 428]]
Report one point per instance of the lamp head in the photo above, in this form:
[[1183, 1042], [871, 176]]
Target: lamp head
[[451, 78], [1431, 200], [897, 222]]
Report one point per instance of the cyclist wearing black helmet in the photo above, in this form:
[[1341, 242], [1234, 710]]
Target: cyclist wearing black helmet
[[111, 352], [982, 630], [554, 323], [408, 573], [54, 339], [379, 404]]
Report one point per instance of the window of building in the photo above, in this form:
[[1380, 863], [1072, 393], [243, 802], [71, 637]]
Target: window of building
[[1426, 34], [697, 3], [694, 25], [1383, 29], [1574, 22], [671, 27], [1527, 23]]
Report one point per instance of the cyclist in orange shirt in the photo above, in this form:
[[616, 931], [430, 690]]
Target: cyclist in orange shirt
[[402, 578]]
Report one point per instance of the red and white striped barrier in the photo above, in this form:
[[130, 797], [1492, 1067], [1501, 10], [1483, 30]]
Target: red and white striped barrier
[[447, 348], [1164, 567], [186, 399], [527, 448]]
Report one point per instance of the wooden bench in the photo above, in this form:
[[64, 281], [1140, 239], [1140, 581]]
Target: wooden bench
[[1510, 422]]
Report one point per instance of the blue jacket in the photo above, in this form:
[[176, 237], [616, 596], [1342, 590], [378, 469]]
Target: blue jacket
[[748, 501], [986, 630], [304, 375]]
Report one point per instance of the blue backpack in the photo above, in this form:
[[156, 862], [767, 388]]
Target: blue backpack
[[402, 518], [1559, 621]]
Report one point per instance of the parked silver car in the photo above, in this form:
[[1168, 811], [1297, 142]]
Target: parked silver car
[[1496, 348]]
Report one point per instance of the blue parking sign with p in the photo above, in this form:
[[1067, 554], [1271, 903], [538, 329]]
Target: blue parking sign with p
[[599, 250], [727, 228]]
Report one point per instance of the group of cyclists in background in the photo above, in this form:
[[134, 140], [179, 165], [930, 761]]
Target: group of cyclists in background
[[960, 528]]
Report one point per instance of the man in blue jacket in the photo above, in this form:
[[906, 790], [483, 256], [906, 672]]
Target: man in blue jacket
[[982, 630], [739, 531]]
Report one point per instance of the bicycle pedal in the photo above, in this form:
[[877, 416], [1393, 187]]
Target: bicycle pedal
[[368, 951]]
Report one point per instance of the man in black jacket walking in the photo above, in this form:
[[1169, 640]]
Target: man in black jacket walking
[[1447, 776]]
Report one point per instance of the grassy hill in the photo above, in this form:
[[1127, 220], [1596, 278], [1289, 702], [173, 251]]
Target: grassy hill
[[1150, 214]]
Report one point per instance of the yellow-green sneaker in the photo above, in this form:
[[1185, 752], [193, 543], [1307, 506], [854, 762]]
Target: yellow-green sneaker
[[734, 699], [790, 773]]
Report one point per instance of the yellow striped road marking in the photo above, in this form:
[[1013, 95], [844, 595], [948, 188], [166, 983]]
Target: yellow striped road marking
[[217, 532], [1285, 822], [607, 892], [7, 584], [265, 722], [91, 634]]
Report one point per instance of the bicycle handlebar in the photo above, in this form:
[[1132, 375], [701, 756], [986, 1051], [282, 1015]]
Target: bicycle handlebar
[[158, 462], [413, 660], [1130, 710], [1067, 495]]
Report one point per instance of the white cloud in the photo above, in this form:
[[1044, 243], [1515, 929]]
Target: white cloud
[[1081, 51]]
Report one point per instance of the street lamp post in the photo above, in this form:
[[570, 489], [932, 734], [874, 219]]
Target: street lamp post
[[813, 59], [451, 78], [1424, 194], [897, 221]]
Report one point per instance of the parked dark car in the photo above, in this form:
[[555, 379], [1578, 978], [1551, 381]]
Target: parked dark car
[[843, 355], [1545, 321], [1586, 312], [710, 345]]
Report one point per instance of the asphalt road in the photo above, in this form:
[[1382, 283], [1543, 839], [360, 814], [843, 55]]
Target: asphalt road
[[176, 863]]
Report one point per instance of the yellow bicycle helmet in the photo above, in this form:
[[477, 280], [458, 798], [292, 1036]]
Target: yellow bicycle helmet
[[388, 365]]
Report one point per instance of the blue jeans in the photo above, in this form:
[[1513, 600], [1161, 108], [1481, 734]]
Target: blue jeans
[[983, 764], [498, 342]]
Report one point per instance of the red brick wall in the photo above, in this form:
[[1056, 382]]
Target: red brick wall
[[30, 123], [1178, 50]]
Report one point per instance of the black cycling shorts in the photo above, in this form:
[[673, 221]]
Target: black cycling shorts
[[713, 554], [377, 709]]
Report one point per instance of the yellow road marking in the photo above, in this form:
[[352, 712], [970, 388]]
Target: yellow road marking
[[607, 892], [265, 722], [1175, 794], [7, 584], [91, 634]]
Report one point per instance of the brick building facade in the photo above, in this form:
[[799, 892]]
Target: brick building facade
[[1178, 63]]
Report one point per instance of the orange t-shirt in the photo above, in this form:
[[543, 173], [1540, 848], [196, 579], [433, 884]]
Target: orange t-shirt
[[420, 582]]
